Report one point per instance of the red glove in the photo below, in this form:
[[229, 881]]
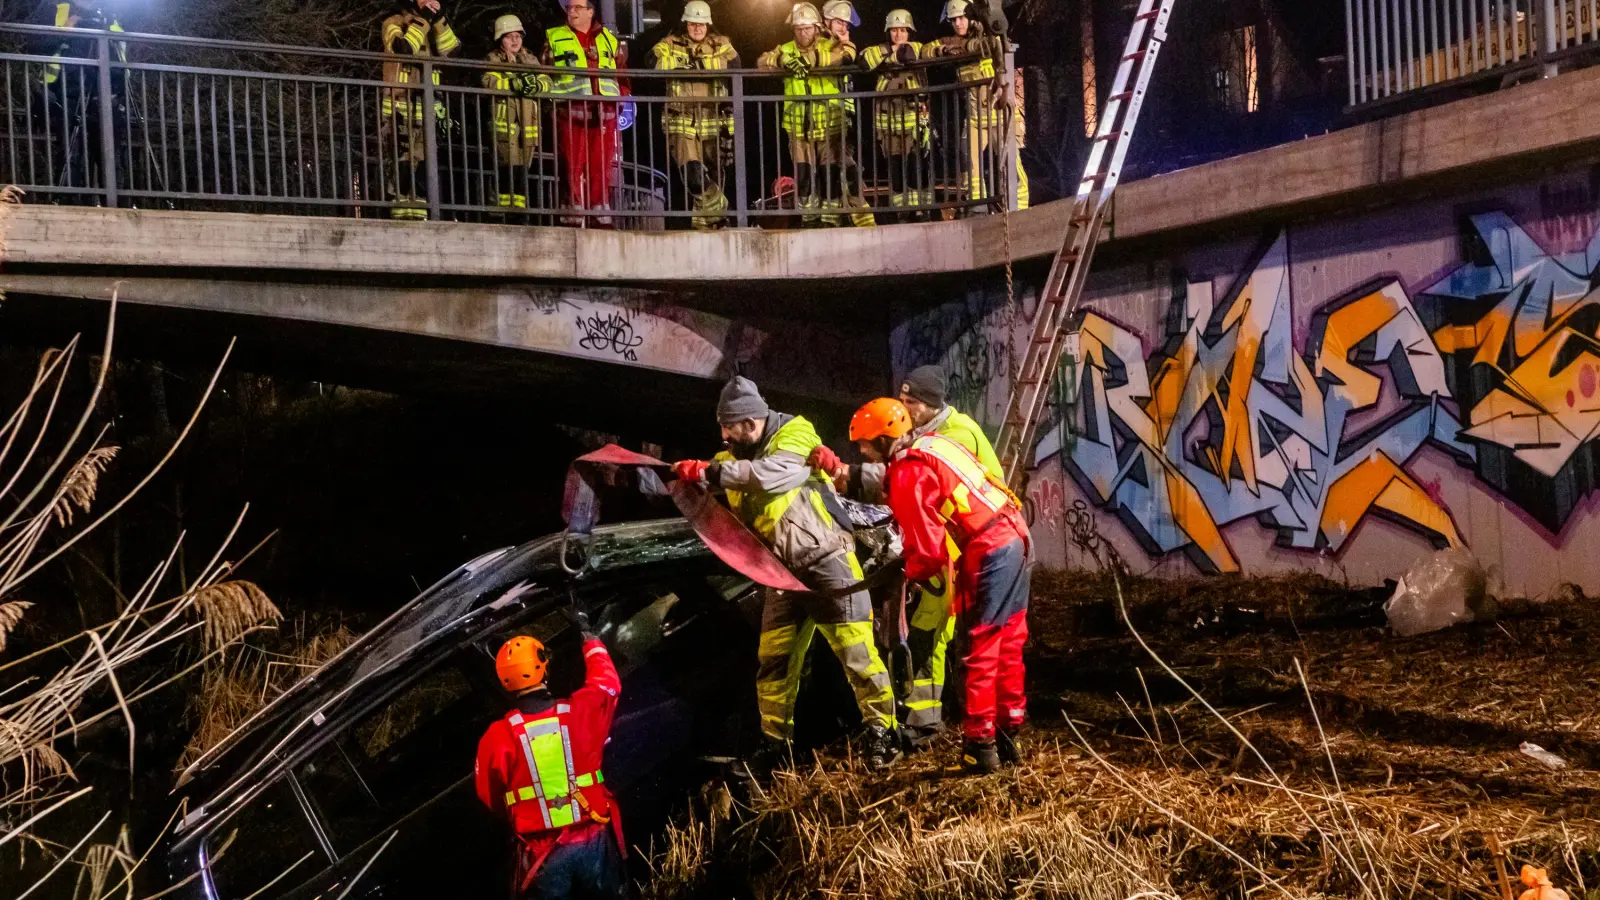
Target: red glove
[[690, 471], [823, 459]]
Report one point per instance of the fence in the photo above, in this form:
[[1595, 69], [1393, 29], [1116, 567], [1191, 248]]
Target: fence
[[160, 121], [1395, 48]]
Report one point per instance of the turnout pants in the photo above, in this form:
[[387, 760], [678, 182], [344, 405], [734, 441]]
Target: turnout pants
[[699, 161], [992, 582], [932, 626], [788, 623]]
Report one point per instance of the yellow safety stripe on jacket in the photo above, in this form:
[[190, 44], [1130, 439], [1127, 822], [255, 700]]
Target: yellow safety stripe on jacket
[[761, 510], [547, 751], [813, 120], [975, 484], [52, 70], [908, 80], [444, 38], [566, 52], [701, 120]]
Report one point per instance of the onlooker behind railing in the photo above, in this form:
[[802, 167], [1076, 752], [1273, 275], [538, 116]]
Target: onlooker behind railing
[[420, 30], [901, 123], [815, 127], [70, 94], [587, 129], [839, 17], [699, 133], [516, 119], [987, 103]]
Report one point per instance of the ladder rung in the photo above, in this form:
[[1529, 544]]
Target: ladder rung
[[1145, 17], [1097, 177], [1137, 54], [1120, 95]]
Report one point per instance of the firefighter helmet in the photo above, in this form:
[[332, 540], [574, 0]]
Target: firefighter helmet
[[954, 9], [521, 663], [899, 18], [505, 25], [804, 14], [883, 417], [842, 10], [697, 11]]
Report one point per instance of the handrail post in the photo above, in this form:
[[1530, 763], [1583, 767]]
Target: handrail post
[[430, 137], [108, 143], [1547, 43], [741, 187], [1008, 84]]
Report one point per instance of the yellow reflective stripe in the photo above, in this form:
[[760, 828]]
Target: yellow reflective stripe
[[63, 13], [447, 39]]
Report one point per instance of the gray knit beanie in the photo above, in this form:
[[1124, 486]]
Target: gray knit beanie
[[925, 383], [740, 400]]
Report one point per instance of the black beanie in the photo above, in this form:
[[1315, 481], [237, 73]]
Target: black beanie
[[925, 383]]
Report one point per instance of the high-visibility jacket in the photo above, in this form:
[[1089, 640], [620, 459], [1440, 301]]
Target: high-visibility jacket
[[813, 120], [697, 120], [515, 118], [565, 51], [52, 70], [795, 521], [898, 115], [980, 73], [951, 497], [542, 768], [410, 31]]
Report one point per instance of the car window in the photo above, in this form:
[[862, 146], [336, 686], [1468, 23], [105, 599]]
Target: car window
[[269, 842], [396, 759]]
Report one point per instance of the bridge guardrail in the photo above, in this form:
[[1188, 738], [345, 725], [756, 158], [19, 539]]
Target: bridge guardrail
[[161, 121]]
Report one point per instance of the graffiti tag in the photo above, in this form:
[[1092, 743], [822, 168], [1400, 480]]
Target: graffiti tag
[[613, 332]]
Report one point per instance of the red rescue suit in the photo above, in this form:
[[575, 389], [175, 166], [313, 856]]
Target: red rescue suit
[[541, 767], [937, 487]]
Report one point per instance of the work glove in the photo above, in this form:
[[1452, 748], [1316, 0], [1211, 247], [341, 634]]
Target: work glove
[[579, 620], [433, 12], [905, 54], [533, 85], [725, 149], [691, 471], [797, 66], [824, 460], [935, 585]]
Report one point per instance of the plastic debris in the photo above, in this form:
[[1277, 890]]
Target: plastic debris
[[1443, 589], [1538, 884], [1542, 755]]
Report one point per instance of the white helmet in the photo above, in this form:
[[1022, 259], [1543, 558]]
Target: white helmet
[[841, 10], [505, 25], [697, 11], [953, 9], [898, 18], [804, 14]]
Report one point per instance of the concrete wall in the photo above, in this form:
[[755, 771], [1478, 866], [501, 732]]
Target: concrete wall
[[1341, 396]]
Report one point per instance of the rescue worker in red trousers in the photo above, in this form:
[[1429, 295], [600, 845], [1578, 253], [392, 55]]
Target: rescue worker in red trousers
[[540, 767], [794, 511], [939, 492], [587, 129], [932, 623]]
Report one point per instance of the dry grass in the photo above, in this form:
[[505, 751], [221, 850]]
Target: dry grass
[[1388, 769], [10, 616], [231, 609]]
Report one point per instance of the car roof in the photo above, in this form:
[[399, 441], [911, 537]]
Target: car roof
[[474, 596]]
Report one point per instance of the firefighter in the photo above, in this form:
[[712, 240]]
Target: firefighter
[[699, 134], [516, 118], [540, 768], [815, 127], [838, 17], [794, 511], [71, 93], [587, 128], [988, 101], [931, 623], [901, 123], [940, 493], [421, 30]]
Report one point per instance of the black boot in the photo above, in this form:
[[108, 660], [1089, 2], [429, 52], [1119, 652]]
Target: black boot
[[759, 766], [1005, 745], [979, 758], [880, 747]]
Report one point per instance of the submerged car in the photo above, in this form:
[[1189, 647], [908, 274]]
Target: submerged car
[[357, 782]]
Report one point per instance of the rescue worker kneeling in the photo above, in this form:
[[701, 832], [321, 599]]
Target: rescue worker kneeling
[[540, 767], [939, 491]]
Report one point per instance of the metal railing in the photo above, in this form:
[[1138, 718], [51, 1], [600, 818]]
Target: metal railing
[[170, 122], [1396, 48]]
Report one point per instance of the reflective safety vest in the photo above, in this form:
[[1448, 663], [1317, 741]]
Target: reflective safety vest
[[897, 115], [761, 510], [814, 120], [973, 498], [566, 52], [564, 797], [52, 70]]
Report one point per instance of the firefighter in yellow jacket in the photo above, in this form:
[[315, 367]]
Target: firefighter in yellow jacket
[[901, 123], [814, 123], [516, 118], [419, 30], [989, 106], [699, 132]]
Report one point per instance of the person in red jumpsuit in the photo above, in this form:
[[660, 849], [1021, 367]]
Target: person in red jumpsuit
[[936, 487], [588, 128], [539, 766]]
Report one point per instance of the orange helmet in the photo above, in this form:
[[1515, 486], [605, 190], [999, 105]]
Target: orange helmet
[[883, 417], [521, 663]]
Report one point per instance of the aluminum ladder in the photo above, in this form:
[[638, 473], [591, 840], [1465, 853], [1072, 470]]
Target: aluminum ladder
[[1062, 290]]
